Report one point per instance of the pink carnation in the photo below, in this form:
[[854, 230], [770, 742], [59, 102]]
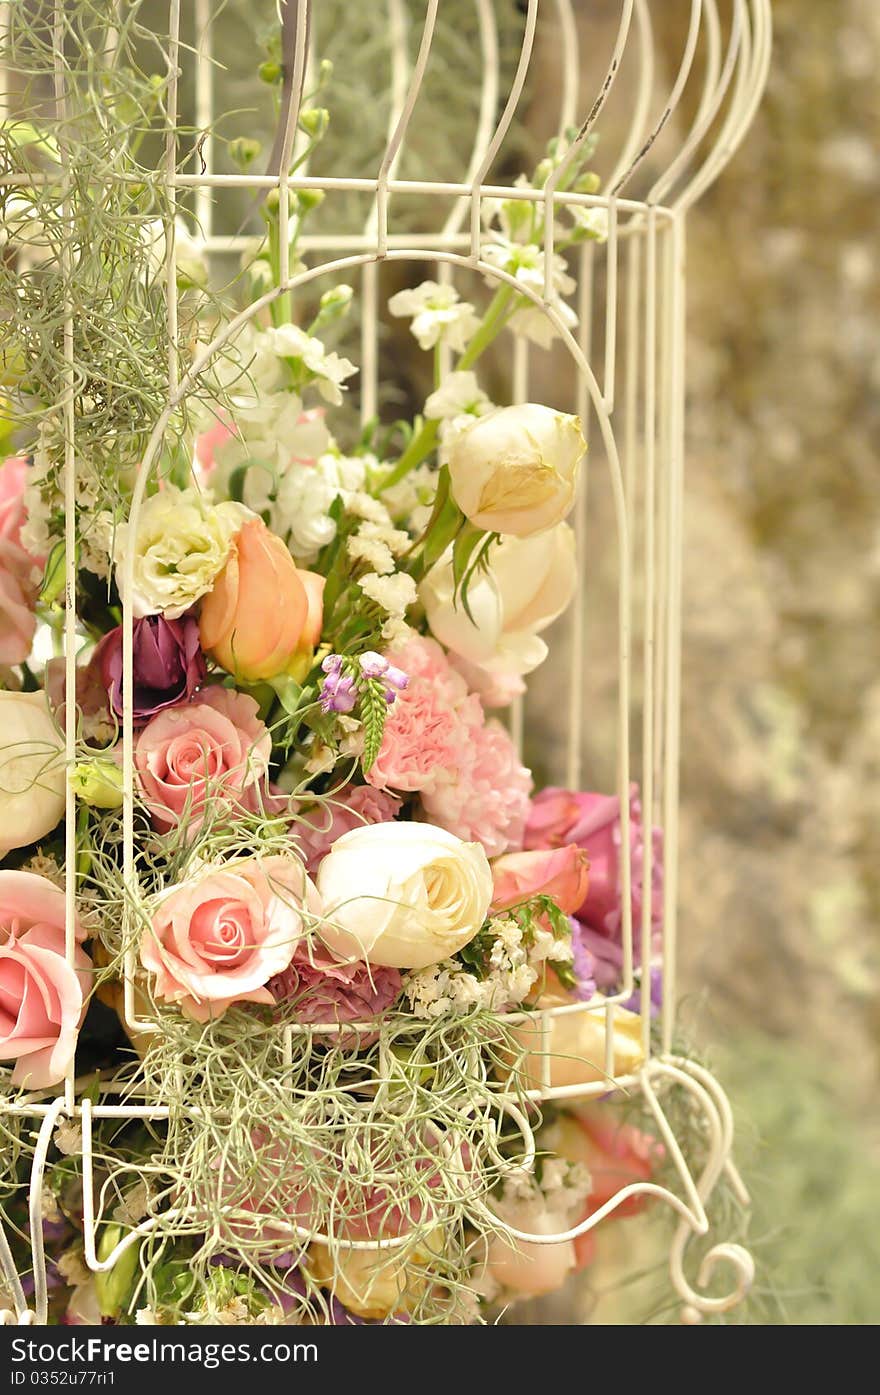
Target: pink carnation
[[437, 743], [488, 801], [428, 725], [352, 807], [322, 991]]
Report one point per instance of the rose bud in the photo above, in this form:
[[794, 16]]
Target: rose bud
[[263, 615], [514, 470], [168, 664]]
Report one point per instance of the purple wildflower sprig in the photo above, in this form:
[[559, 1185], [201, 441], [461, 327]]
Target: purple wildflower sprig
[[368, 683]]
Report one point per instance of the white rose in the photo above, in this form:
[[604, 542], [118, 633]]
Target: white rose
[[514, 470], [403, 894], [32, 779], [528, 583], [576, 1044], [182, 544]]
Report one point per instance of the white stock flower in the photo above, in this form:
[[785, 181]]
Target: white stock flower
[[525, 261], [459, 394], [375, 553], [301, 511], [514, 470], [526, 585], [330, 370], [395, 594], [403, 895], [182, 543], [591, 221], [455, 404], [437, 312]]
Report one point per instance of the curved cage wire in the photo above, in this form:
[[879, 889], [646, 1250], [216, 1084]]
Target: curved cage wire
[[668, 132]]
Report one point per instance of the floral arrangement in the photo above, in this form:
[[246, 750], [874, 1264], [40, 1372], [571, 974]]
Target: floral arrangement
[[351, 905]]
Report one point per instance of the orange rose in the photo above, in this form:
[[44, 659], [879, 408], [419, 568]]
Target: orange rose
[[263, 614]]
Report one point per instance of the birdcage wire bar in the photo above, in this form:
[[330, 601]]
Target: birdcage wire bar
[[631, 403]]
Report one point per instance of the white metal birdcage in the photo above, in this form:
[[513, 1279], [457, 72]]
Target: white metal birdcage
[[675, 130]]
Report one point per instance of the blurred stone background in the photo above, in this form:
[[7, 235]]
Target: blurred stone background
[[780, 887]]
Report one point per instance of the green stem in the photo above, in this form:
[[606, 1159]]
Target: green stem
[[422, 444]]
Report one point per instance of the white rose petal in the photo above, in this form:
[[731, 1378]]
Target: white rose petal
[[403, 894], [32, 782]]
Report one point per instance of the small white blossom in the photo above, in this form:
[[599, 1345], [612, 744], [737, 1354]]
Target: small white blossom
[[412, 498], [362, 505], [437, 313], [592, 221], [375, 553], [459, 393], [525, 262], [395, 594], [68, 1139], [395, 539]]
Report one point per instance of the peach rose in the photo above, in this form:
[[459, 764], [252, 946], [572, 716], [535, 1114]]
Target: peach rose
[[263, 615], [562, 873], [19, 571], [216, 748], [219, 938], [42, 997]]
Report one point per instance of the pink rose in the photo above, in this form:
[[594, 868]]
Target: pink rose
[[321, 990], [213, 749], [562, 873], [352, 807], [42, 997], [219, 938], [592, 821], [19, 571]]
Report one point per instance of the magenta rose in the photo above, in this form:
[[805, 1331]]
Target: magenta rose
[[321, 991], [211, 750], [352, 807], [168, 665], [220, 937], [558, 817], [19, 571], [42, 997]]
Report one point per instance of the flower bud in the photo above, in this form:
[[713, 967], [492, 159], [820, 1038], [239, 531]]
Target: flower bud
[[514, 470], [97, 782], [263, 612], [113, 1286], [315, 121], [270, 72], [243, 151]]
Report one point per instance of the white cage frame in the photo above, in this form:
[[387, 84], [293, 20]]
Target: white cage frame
[[634, 398]]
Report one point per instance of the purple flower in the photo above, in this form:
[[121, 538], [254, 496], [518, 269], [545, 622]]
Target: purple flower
[[373, 665], [338, 692], [583, 964], [634, 1003], [320, 990], [168, 664]]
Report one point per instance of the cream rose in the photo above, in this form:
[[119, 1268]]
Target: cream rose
[[31, 770], [182, 544], [528, 583], [403, 894], [576, 1044], [514, 470]]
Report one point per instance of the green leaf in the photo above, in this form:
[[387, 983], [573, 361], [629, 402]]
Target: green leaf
[[54, 575]]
